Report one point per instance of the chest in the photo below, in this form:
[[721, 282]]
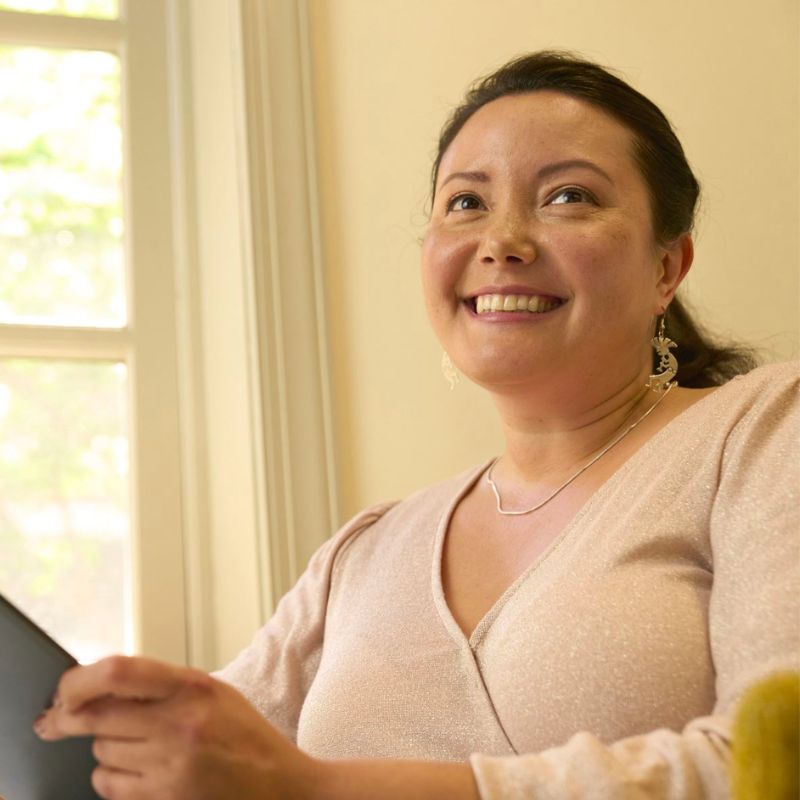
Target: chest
[[485, 553], [603, 634]]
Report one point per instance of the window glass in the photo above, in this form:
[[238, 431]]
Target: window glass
[[61, 220], [105, 9], [64, 500]]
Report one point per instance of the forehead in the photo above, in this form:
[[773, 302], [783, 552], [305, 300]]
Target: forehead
[[536, 127]]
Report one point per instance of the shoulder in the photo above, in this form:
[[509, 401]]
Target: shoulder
[[758, 408], [748, 400], [351, 530], [766, 397], [763, 383], [437, 498], [419, 513], [762, 415]]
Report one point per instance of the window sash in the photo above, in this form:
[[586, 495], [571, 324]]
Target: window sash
[[231, 497], [54, 30], [147, 345]]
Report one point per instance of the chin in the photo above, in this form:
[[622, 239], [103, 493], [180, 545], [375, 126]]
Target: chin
[[501, 371]]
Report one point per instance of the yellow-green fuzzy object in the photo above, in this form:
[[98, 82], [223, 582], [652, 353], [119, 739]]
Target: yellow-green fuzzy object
[[766, 740]]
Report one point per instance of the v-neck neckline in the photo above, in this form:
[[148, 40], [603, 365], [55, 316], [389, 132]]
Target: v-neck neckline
[[473, 641]]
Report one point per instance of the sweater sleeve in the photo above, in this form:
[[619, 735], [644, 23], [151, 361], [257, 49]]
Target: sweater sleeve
[[276, 670], [754, 627]]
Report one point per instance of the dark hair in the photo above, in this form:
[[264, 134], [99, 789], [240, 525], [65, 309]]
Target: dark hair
[[672, 186]]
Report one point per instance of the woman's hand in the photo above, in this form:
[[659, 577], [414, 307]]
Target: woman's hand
[[173, 733]]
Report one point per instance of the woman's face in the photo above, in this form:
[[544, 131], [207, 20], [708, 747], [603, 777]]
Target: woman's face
[[541, 207]]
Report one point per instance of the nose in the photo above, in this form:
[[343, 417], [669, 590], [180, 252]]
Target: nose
[[508, 242]]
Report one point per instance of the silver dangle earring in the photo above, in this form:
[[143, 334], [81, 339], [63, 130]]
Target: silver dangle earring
[[451, 374], [667, 363]]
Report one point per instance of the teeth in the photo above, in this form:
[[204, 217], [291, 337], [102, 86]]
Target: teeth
[[536, 304]]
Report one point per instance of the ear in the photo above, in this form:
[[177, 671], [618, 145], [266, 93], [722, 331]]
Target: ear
[[676, 259]]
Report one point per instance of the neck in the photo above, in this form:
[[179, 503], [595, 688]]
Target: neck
[[547, 437]]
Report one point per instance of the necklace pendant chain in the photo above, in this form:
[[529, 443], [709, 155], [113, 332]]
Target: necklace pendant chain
[[574, 476]]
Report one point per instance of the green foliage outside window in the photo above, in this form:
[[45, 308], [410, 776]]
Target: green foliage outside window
[[60, 188], [64, 530]]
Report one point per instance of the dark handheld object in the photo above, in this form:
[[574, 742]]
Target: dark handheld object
[[30, 665]]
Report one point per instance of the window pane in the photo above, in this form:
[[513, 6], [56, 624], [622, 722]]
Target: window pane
[[60, 188], [64, 523], [105, 9]]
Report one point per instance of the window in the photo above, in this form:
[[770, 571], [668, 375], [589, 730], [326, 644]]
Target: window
[[89, 444], [208, 474]]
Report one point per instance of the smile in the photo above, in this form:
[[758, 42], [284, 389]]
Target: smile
[[535, 304]]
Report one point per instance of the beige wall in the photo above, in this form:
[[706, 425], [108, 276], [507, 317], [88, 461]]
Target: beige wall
[[387, 71]]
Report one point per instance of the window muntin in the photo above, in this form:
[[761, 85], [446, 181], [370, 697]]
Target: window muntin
[[99, 9]]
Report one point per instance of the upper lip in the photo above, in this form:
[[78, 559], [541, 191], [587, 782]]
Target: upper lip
[[513, 289]]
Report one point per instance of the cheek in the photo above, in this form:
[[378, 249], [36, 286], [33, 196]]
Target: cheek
[[610, 263], [444, 260], [589, 263]]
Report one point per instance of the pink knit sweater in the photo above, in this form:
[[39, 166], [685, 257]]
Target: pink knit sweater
[[609, 669]]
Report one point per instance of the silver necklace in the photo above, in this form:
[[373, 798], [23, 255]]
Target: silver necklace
[[612, 443]]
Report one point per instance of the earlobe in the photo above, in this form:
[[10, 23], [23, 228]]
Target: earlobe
[[675, 264]]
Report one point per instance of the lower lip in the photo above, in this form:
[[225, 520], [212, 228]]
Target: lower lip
[[512, 316]]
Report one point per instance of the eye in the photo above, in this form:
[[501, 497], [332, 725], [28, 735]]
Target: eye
[[464, 202], [571, 194]]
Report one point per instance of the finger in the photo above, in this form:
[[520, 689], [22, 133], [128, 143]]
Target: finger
[[123, 719], [119, 676], [117, 784], [134, 757]]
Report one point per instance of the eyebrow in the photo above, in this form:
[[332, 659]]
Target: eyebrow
[[561, 166], [545, 172], [479, 177]]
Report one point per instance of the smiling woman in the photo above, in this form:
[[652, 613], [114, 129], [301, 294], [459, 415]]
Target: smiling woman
[[544, 225], [578, 616]]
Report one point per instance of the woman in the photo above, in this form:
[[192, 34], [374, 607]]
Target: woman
[[576, 618]]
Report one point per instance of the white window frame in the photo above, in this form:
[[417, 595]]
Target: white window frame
[[262, 495], [235, 474], [147, 343]]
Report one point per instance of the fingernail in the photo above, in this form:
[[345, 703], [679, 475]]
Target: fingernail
[[39, 724]]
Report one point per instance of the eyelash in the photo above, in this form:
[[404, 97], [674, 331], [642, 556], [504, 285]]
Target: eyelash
[[587, 197], [462, 196]]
